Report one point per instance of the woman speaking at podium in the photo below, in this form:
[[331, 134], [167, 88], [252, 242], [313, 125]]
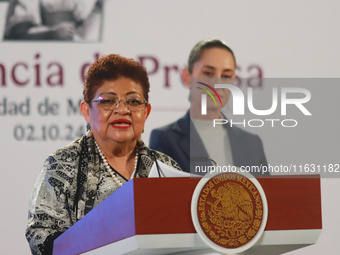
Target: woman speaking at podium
[[79, 176]]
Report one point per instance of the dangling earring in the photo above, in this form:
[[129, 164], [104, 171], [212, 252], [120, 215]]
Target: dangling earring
[[88, 130]]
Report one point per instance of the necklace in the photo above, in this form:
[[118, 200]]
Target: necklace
[[108, 167]]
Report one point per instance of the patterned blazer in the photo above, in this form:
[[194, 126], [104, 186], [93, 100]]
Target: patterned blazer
[[72, 182]]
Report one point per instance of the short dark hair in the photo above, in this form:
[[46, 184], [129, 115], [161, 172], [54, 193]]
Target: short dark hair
[[112, 67], [198, 49]]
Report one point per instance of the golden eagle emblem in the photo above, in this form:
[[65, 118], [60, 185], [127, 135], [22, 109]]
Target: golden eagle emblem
[[230, 210]]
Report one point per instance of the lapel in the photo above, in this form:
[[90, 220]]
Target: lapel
[[196, 150], [190, 143], [182, 127], [236, 149]]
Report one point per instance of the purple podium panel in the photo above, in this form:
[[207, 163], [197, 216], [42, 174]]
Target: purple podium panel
[[110, 221]]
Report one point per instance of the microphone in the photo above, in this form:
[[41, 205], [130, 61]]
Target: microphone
[[200, 159], [194, 161], [158, 168]]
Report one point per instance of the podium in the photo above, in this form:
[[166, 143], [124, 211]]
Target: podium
[[153, 216]]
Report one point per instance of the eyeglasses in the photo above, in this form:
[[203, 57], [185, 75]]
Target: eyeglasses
[[111, 102]]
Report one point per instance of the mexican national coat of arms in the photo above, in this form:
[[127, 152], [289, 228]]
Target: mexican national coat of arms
[[229, 210]]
